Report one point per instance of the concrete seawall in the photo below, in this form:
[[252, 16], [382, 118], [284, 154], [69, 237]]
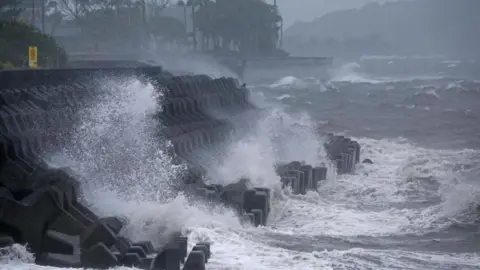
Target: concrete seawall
[[40, 205], [31, 77]]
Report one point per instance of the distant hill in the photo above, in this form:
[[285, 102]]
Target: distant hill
[[403, 27]]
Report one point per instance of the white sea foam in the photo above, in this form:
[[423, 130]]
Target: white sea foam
[[282, 97], [363, 204], [399, 57], [351, 72], [294, 83]]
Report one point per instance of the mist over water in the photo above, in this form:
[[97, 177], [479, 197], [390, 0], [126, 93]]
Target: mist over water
[[181, 61]]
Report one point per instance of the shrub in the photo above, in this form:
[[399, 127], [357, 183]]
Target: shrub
[[16, 37], [6, 65]]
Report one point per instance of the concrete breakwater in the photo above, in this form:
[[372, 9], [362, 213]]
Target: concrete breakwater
[[41, 206]]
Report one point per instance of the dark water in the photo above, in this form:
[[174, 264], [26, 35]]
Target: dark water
[[435, 109], [440, 113]]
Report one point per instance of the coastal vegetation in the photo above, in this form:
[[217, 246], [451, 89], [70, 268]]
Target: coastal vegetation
[[242, 27], [16, 36]]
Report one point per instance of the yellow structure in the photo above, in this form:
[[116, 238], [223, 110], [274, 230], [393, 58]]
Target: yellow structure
[[32, 57]]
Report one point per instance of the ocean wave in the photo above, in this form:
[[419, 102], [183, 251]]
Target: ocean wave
[[282, 97], [354, 73], [351, 72], [294, 83], [397, 57]]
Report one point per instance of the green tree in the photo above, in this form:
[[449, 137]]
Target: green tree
[[115, 23], [247, 26]]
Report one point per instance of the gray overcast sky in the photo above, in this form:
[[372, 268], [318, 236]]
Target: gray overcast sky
[[307, 10]]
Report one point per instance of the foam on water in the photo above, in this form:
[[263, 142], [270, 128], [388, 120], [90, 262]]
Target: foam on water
[[289, 81], [282, 97], [294, 83], [15, 255], [246, 254], [375, 201], [350, 72], [368, 203], [398, 57]]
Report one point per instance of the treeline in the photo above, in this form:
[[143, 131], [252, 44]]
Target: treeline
[[246, 27], [243, 26], [113, 25]]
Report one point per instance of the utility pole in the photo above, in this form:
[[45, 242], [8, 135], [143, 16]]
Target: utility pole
[[281, 24], [185, 21], [281, 33], [194, 31], [144, 10], [76, 13], [43, 15], [144, 23], [33, 13]]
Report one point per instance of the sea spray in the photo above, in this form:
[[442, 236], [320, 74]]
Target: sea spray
[[277, 137], [121, 157]]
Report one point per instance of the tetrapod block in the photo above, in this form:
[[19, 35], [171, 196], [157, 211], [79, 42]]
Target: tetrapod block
[[98, 256], [195, 261]]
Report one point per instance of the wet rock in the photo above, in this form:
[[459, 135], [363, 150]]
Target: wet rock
[[367, 161], [195, 261]]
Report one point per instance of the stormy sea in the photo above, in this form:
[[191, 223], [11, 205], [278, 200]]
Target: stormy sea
[[416, 207]]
